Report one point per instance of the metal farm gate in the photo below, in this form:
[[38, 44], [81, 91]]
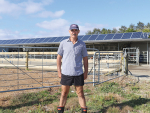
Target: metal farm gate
[[133, 55], [35, 68], [108, 66], [149, 55]]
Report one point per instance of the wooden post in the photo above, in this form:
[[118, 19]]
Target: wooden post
[[126, 64], [121, 63], [26, 63]]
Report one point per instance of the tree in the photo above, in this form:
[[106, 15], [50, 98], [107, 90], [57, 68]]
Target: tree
[[88, 32], [104, 31], [140, 26], [131, 29], [108, 31], [147, 30], [148, 25], [95, 31], [114, 30], [122, 29]]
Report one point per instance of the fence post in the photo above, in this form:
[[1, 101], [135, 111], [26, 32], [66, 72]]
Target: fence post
[[26, 63], [94, 70], [122, 62], [126, 64]]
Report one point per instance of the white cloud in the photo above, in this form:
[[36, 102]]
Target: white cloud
[[7, 34], [27, 7], [117, 27], [31, 7], [0, 17], [56, 27], [60, 27], [54, 24], [46, 2], [6, 7], [88, 26], [46, 14]]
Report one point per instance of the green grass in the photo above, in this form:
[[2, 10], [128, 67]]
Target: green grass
[[110, 97]]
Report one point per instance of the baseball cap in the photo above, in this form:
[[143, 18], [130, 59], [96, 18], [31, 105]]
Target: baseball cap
[[74, 26]]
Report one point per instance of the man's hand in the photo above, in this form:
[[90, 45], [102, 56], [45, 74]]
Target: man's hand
[[59, 74], [85, 62], [59, 65], [85, 75]]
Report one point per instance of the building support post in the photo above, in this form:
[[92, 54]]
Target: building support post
[[147, 54], [93, 46], [118, 46], [26, 63]]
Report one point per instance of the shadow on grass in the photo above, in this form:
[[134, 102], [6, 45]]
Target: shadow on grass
[[131, 103], [36, 102]]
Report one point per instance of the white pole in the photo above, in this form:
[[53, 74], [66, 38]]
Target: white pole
[[147, 54]]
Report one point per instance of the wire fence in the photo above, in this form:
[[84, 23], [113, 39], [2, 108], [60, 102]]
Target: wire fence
[[108, 66], [27, 69]]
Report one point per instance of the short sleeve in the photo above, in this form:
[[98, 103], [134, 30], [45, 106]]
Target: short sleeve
[[84, 51], [60, 49]]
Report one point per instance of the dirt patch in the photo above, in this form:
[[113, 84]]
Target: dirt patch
[[13, 79], [141, 72]]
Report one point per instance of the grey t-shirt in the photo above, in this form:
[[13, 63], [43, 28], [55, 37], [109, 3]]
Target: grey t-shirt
[[72, 55]]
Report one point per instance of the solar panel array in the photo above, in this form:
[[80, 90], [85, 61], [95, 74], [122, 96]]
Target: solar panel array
[[117, 36]]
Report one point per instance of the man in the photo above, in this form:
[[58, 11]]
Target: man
[[72, 51]]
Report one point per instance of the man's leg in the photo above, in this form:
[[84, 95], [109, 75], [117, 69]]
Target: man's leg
[[80, 93], [64, 94]]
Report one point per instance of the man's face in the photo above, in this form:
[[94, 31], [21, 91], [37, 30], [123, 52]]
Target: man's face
[[74, 33]]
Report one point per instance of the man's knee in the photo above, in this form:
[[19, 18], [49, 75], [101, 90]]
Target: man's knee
[[64, 93], [80, 93]]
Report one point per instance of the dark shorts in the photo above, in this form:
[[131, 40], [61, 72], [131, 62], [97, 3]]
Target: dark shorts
[[72, 80]]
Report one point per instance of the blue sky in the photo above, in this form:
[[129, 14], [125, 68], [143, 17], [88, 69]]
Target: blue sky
[[49, 18]]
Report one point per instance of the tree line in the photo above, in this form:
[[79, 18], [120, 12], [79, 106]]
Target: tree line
[[140, 27]]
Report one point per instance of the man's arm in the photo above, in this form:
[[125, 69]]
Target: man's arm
[[85, 63], [59, 65]]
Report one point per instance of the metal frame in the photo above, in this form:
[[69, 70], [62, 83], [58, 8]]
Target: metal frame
[[133, 54], [109, 75], [97, 77]]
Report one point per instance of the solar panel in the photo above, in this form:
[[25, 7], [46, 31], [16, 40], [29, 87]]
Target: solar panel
[[11, 41], [24, 41], [93, 37], [4, 42], [66, 37], [118, 36], [145, 35], [1, 41], [86, 37], [45, 40], [126, 36], [109, 37], [52, 39], [58, 39], [136, 35], [101, 36], [38, 40], [15, 41], [80, 37], [18, 42], [8, 41], [28, 41]]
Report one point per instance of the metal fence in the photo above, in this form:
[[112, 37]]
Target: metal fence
[[25, 70], [108, 66], [133, 55]]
